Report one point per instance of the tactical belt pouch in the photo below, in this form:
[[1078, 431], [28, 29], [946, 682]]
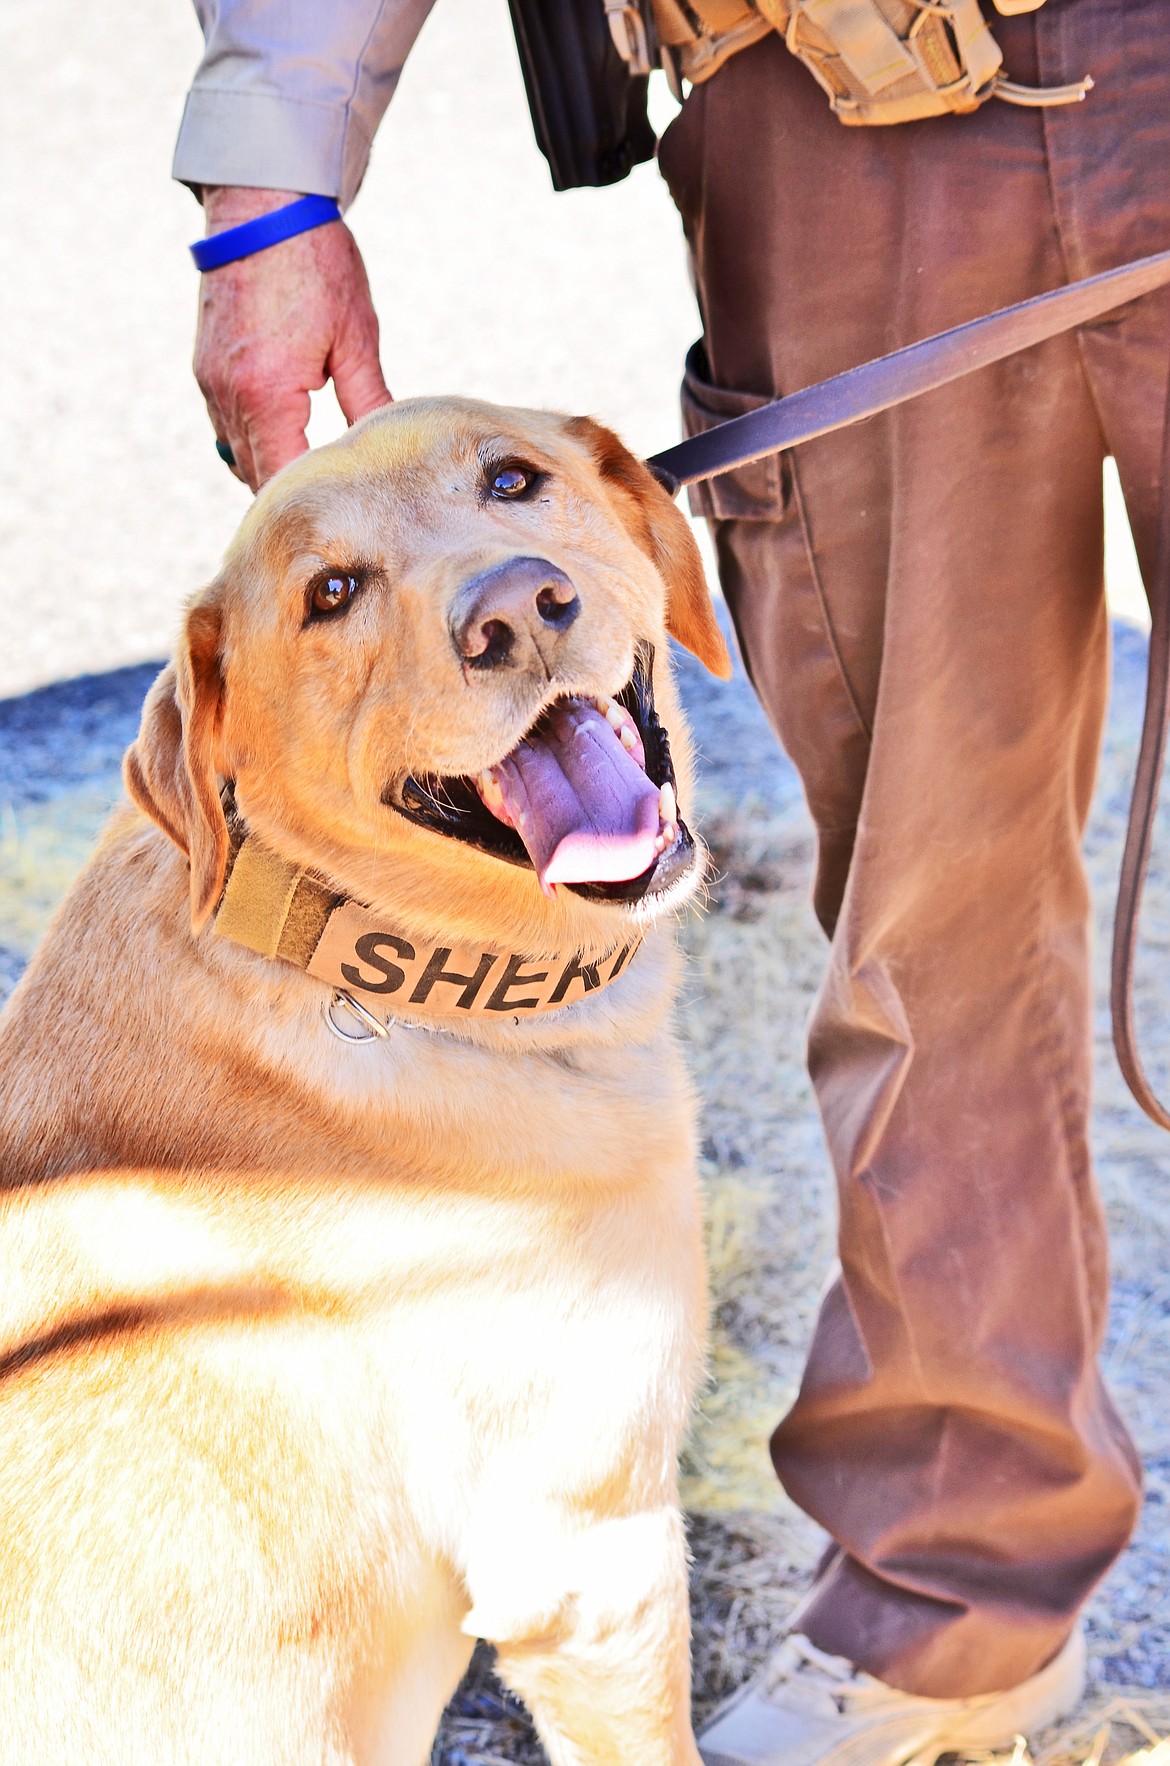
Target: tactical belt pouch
[[879, 61], [588, 104]]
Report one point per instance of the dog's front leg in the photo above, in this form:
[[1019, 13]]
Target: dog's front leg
[[592, 1631]]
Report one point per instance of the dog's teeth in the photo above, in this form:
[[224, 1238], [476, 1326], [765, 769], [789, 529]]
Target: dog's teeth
[[627, 738], [667, 807], [603, 702], [615, 717], [489, 790]]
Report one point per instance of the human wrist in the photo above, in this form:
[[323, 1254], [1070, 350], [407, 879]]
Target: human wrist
[[230, 205], [235, 239]]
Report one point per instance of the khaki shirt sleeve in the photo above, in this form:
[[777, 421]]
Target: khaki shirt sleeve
[[289, 93]]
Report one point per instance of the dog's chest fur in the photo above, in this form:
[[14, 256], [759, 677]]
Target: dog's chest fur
[[523, 1289]]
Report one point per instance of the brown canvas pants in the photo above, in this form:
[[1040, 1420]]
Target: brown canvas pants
[[919, 602]]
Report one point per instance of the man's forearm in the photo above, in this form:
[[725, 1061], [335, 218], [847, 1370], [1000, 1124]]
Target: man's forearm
[[289, 93], [274, 327], [229, 205], [285, 104]]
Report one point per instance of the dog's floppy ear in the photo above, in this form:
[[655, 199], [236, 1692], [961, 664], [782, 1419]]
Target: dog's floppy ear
[[661, 529], [170, 770]]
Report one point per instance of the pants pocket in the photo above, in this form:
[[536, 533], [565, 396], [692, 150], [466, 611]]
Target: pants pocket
[[768, 572], [759, 492]]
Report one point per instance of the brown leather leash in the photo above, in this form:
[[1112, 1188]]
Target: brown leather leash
[[1139, 833], [921, 367]]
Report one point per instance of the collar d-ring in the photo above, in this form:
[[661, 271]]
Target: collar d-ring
[[371, 1028]]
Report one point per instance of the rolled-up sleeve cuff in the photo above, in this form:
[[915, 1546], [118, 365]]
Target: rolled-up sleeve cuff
[[266, 142]]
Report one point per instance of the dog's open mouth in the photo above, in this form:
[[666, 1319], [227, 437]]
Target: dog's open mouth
[[586, 798]]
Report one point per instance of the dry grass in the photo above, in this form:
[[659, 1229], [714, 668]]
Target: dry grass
[[755, 961], [42, 848], [1109, 1730]]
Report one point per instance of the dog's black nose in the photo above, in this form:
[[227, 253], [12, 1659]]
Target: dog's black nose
[[505, 614]]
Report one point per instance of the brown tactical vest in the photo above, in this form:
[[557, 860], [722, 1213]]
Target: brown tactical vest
[[879, 61]]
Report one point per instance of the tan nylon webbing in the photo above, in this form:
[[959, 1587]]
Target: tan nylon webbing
[[277, 910], [879, 61], [865, 41], [306, 920], [257, 899]]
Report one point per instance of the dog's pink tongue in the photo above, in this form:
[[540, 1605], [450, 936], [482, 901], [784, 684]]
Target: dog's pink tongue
[[584, 809]]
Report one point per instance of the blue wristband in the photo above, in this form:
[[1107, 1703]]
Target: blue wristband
[[265, 230]]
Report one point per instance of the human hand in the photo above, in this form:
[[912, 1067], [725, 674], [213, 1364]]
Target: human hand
[[275, 326]]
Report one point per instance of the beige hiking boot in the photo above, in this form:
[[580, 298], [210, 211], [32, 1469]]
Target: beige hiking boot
[[810, 1709]]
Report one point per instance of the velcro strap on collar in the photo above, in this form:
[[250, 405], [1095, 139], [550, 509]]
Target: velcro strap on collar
[[278, 910]]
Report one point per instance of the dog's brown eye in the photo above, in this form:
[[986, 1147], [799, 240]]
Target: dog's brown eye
[[332, 591], [512, 481]]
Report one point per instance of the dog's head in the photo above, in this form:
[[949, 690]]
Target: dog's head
[[434, 666]]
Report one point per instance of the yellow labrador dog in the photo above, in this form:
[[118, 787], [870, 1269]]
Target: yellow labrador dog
[[351, 1292]]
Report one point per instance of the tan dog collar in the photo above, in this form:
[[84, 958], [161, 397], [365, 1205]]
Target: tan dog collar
[[378, 966]]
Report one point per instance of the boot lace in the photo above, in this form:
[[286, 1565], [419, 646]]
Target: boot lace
[[802, 1677]]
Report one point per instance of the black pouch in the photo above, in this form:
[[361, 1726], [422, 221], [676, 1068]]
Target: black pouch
[[588, 111]]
